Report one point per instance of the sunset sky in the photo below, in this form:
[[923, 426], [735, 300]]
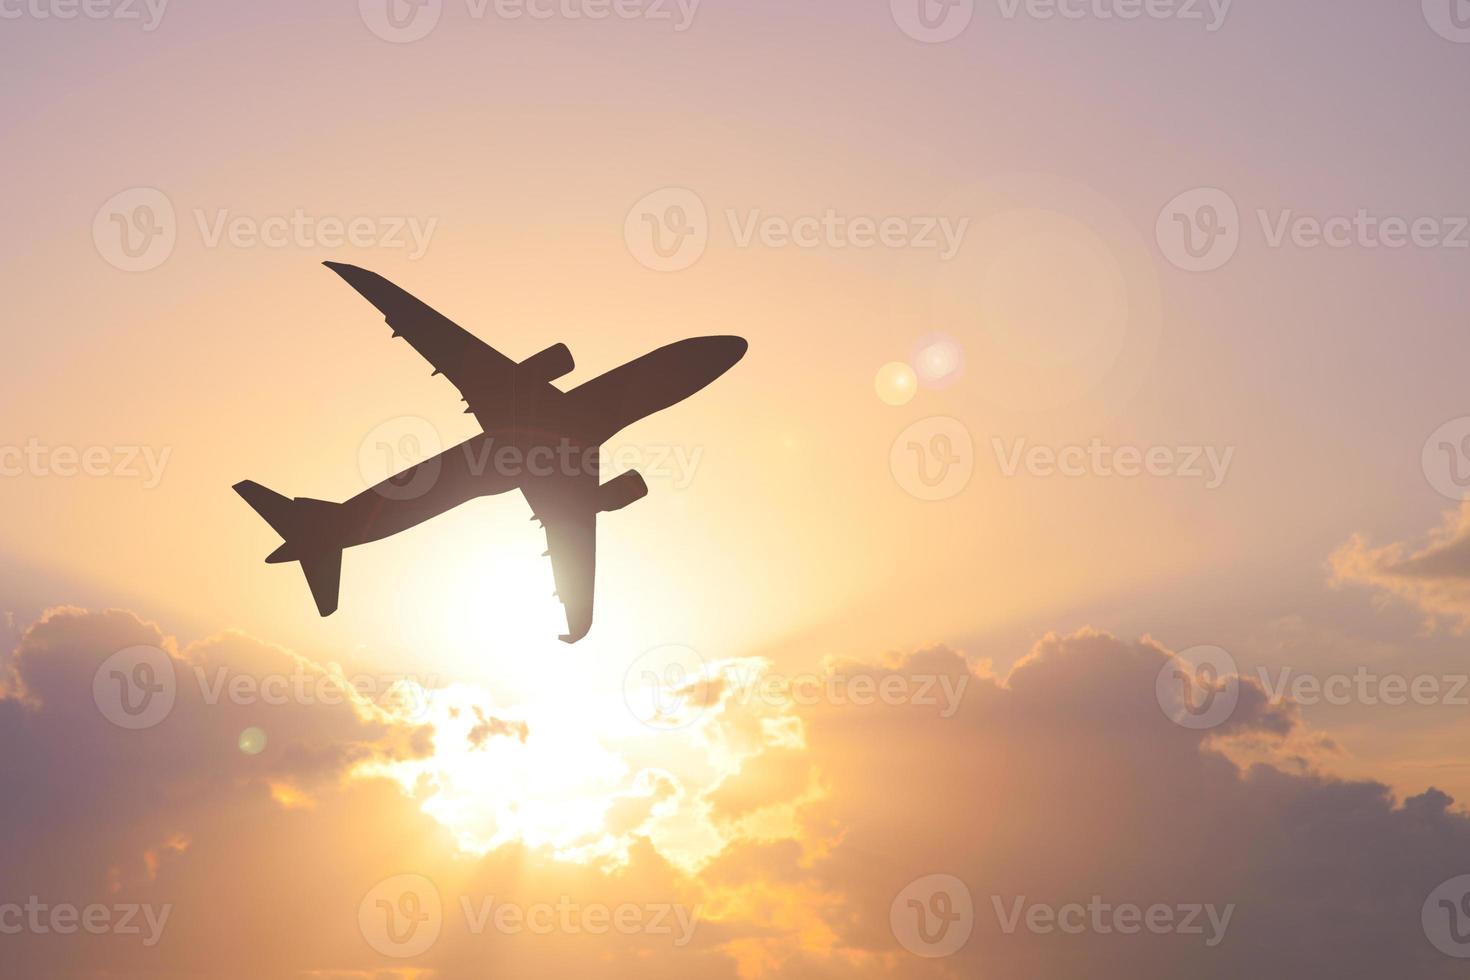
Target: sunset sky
[[1105, 406]]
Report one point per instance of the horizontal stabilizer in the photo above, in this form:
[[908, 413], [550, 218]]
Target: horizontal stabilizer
[[275, 508], [300, 523]]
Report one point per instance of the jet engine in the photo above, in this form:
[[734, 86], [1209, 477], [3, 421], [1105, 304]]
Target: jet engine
[[621, 491], [550, 364]]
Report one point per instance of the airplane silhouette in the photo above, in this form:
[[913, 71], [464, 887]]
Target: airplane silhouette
[[537, 438]]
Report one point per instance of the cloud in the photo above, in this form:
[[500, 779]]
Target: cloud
[[1062, 781], [1433, 576], [1066, 780], [492, 727]]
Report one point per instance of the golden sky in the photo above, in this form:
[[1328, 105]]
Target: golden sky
[[1104, 401]]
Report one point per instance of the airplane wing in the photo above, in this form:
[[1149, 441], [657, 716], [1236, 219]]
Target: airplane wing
[[483, 375], [571, 541]]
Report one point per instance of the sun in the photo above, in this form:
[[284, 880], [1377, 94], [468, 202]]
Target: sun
[[467, 595], [535, 741]]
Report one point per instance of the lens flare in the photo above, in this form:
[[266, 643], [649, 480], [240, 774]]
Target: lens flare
[[938, 360], [252, 741], [896, 383]]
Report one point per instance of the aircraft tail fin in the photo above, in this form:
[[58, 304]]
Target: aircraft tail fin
[[298, 523], [324, 575]]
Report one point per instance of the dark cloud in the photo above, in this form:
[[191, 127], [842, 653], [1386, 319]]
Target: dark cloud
[[264, 859], [1064, 780], [1067, 781]]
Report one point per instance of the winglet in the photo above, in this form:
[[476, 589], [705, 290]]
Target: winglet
[[579, 624], [357, 277]]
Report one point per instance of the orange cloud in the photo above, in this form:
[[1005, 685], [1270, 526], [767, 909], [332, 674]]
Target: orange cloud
[[1433, 576], [1062, 785]]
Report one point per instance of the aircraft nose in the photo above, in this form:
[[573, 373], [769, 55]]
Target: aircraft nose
[[731, 349]]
